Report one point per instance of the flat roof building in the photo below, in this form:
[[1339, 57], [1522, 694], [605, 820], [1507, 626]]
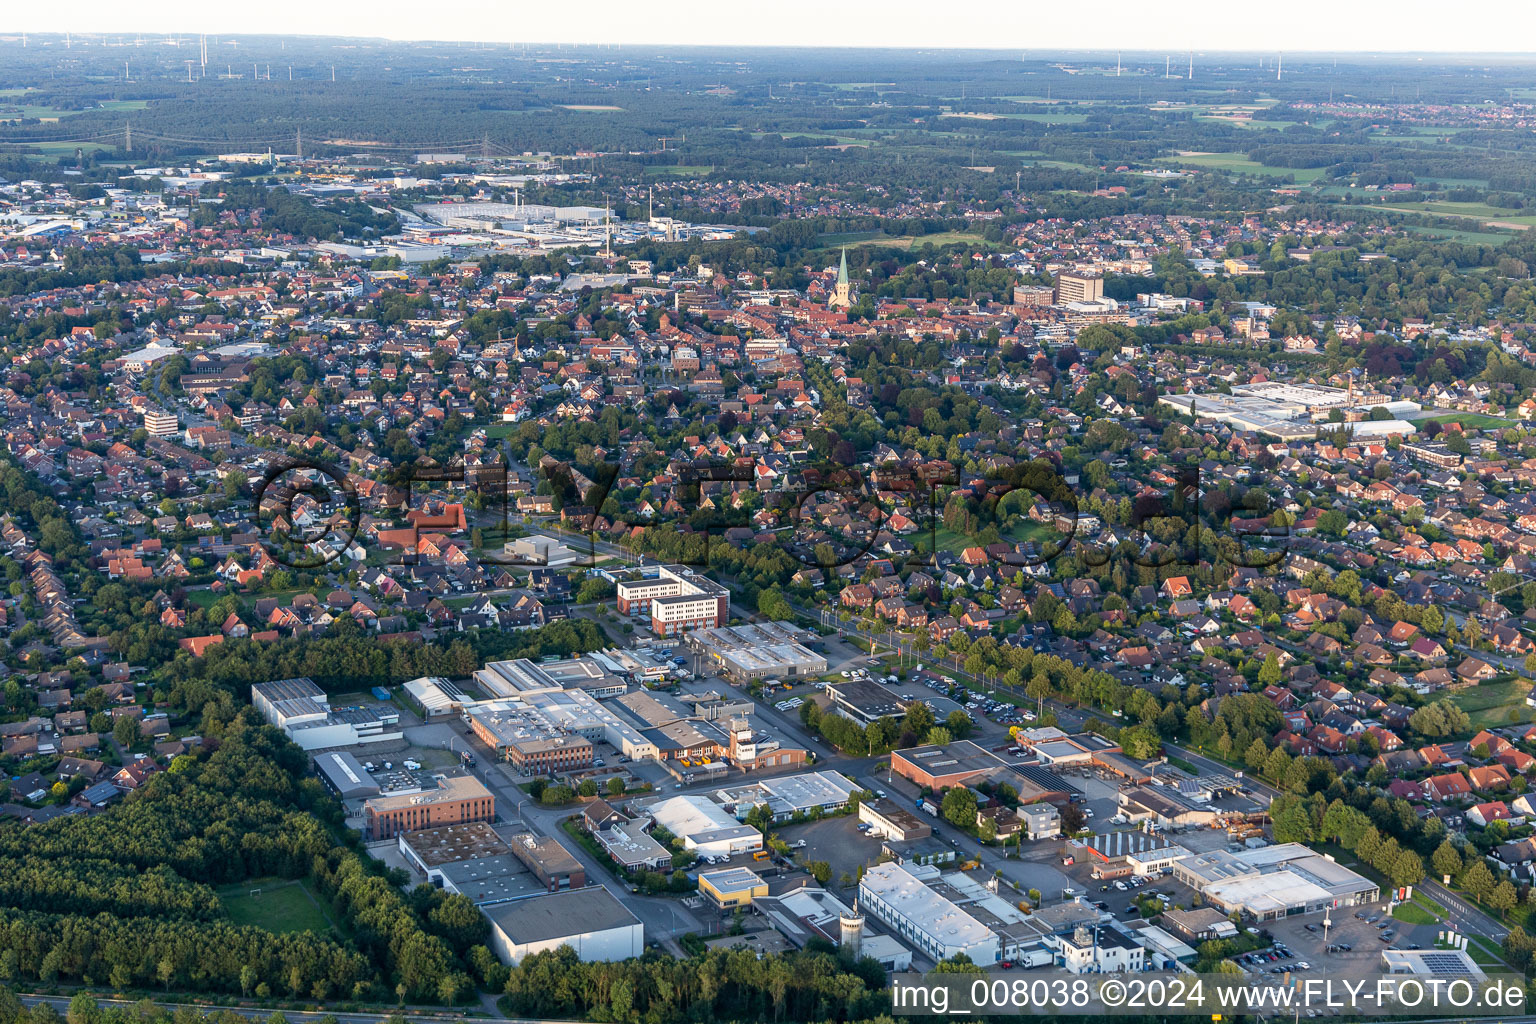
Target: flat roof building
[[864, 700], [953, 764], [344, 776], [889, 820], [770, 650], [428, 848], [1273, 882], [486, 881], [675, 598], [931, 922], [590, 920], [729, 888], [456, 800], [551, 863]]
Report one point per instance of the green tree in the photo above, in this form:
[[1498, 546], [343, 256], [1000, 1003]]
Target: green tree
[[1445, 860], [959, 807]]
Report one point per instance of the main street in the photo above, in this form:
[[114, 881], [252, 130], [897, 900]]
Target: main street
[[413, 1015]]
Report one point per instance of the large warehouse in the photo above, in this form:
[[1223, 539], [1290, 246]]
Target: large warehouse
[[589, 920], [901, 901], [1273, 882], [769, 650], [303, 711], [702, 825]]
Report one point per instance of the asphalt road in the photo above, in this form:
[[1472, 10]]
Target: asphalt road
[[61, 1003]]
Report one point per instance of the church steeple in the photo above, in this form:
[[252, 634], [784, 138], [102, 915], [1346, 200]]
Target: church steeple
[[841, 295]]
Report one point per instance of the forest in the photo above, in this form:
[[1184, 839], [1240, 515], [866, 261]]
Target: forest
[[125, 897]]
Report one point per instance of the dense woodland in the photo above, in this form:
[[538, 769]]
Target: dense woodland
[[125, 897]]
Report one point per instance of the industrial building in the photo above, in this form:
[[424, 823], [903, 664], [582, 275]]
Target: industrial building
[[435, 696], [674, 597], [889, 820], [954, 764], [456, 799], [864, 701], [812, 912], [789, 795], [770, 650], [1293, 412], [552, 864], [429, 848], [589, 920], [553, 730], [523, 678], [1273, 882], [303, 712], [704, 826], [344, 776], [929, 921], [526, 738]]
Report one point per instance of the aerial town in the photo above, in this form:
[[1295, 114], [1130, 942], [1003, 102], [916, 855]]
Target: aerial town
[[486, 581]]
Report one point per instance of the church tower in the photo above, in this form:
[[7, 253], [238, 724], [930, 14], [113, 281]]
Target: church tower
[[842, 297]]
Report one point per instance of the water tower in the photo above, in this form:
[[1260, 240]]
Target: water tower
[[851, 925]]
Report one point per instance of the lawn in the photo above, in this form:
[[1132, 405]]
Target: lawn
[[1472, 211], [1485, 952], [280, 906], [1490, 704], [1412, 913]]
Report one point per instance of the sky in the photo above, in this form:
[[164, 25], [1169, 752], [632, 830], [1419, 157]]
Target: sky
[[1206, 25]]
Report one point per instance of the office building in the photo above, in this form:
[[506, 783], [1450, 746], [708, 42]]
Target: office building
[[730, 888], [1099, 951], [455, 800], [674, 597], [889, 820], [159, 423], [589, 920], [1077, 287]]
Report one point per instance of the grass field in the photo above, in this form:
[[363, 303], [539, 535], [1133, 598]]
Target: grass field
[[1412, 913], [1470, 237], [1469, 419], [1490, 704], [1481, 212], [680, 171], [902, 241], [281, 906], [1236, 163]]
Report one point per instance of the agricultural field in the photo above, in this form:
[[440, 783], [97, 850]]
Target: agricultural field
[[1236, 163]]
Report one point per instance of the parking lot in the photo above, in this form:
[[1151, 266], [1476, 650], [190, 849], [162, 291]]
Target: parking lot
[[837, 841]]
